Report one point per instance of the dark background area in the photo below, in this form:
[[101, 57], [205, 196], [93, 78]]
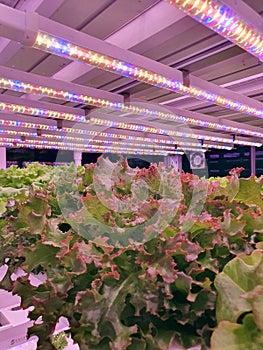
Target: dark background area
[[219, 162]]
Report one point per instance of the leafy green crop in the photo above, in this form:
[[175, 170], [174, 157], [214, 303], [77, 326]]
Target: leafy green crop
[[16, 182], [136, 259], [33, 173], [240, 304]]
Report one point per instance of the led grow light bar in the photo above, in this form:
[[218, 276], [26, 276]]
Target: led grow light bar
[[20, 124], [63, 48], [85, 141], [182, 144], [223, 20], [90, 150], [83, 147], [20, 86], [10, 107], [143, 128]]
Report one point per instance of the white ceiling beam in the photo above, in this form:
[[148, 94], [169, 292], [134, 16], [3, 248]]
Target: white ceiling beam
[[79, 89], [97, 113], [151, 22], [45, 8], [249, 86], [18, 26], [97, 45], [246, 12], [240, 12], [42, 105], [30, 78]]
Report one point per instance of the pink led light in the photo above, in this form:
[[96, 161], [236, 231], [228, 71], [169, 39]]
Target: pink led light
[[63, 48], [136, 127], [37, 111], [133, 127], [223, 20], [16, 142], [11, 107], [106, 137], [73, 97], [66, 139]]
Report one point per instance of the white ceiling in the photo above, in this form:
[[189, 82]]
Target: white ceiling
[[151, 28]]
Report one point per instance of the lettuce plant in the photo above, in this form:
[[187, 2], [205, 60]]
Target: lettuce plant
[[135, 262], [240, 304]]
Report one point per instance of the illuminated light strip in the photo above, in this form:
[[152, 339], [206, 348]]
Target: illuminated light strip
[[88, 141], [79, 139], [28, 88], [83, 148], [11, 107], [223, 20], [37, 111], [245, 143], [208, 145], [136, 127], [24, 144], [182, 144], [27, 125], [91, 150], [16, 85], [43, 112], [77, 145], [63, 48]]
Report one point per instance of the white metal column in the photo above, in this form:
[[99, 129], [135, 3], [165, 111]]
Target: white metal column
[[175, 161], [2, 157], [253, 160], [77, 157]]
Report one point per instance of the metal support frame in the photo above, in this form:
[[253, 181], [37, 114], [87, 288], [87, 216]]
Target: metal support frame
[[31, 78], [253, 160], [174, 161], [3, 157], [77, 158], [16, 27]]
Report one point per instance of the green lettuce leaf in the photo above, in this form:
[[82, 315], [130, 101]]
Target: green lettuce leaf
[[239, 276], [233, 336]]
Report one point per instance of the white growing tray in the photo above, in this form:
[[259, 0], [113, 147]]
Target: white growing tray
[[31, 344], [14, 323], [9, 301], [13, 327]]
